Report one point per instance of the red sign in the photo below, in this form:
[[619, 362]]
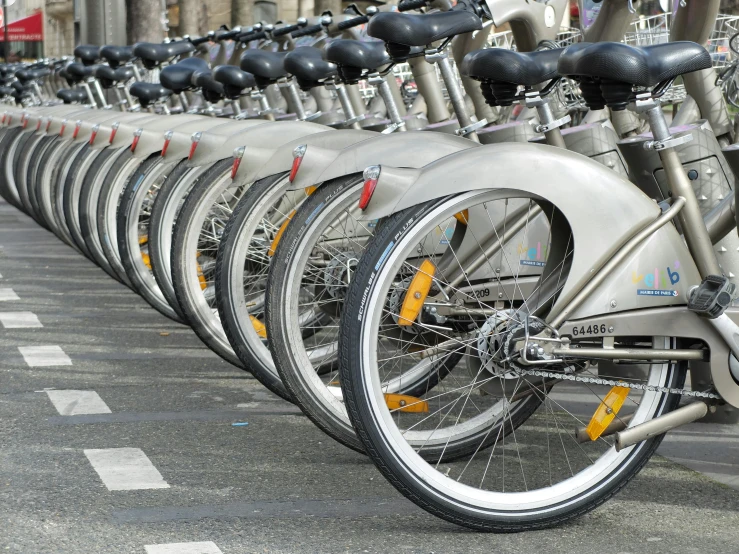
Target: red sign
[[28, 29]]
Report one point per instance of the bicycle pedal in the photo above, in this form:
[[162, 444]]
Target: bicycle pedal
[[711, 298]]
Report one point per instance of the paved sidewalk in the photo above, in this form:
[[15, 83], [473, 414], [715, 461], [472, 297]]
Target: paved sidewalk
[[121, 433]]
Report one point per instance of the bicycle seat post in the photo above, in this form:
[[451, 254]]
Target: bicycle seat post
[[466, 126], [288, 85], [350, 117], [547, 123], [383, 89]]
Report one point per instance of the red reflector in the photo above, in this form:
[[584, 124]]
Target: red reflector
[[112, 134], [235, 168], [76, 131], [193, 147], [5, 116], [48, 124], [38, 125], [165, 147], [367, 191], [92, 137], [61, 131], [294, 169], [135, 142], [25, 122]]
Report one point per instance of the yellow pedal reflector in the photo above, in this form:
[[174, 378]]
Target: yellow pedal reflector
[[143, 239], [258, 327], [606, 412], [310, 190], [334, 383], [278, 236], [147, 259], [417, 293], [463, 216], [405, 403]]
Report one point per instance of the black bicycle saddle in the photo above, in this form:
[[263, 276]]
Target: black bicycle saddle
[[308, 67], [70, 96], [608, 71], [213, 91], [108, 76], [519, 68], [88, 53], [76, 72], [116, 55], [267, 67], [421, 30], [354, 57], [149, 92], [644, 66], [178, 77], [234, 80], [153, 54]]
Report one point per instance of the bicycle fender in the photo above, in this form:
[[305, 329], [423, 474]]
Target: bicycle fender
[[412, 149], [213, 136], [267, 136], [251, 170], [603, 209]]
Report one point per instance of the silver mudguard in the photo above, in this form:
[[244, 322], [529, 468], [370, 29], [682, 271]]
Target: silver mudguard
[[151, 131], [411, 149], [576, 185], [268, 136], [257, 163], [212, 138], [126, 125]]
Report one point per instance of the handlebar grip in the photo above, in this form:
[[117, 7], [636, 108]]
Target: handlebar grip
[[201, 40], [349, 23], [312, 30], [287, 29], [406, 5], [248, 37], [229, 35]]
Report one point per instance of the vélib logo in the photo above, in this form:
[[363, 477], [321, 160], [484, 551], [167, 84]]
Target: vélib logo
[[535, 255], [659, 282]]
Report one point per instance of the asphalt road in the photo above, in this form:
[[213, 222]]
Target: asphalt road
[[216, 460]]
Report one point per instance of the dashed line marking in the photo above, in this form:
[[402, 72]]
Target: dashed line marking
[[19, 320], [77, 402], [7, 294], [183, 548], [125, 469], [44, 356]]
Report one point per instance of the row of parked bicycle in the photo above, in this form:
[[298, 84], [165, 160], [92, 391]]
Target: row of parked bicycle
[[506, 329]]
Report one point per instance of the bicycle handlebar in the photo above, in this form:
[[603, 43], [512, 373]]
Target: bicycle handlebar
[[287, 29], [248, 37], [406, 5], [312, 30], [349, 23]]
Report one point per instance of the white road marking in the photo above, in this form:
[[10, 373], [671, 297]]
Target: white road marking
[[19, 320], [183, 548], [76, 402], [125, 469], [8, 294], [44, 356]]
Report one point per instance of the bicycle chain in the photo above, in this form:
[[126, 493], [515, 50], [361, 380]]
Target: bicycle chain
[[599, 381]]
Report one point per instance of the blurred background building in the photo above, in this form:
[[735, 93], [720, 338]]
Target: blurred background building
[[52, 27]]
